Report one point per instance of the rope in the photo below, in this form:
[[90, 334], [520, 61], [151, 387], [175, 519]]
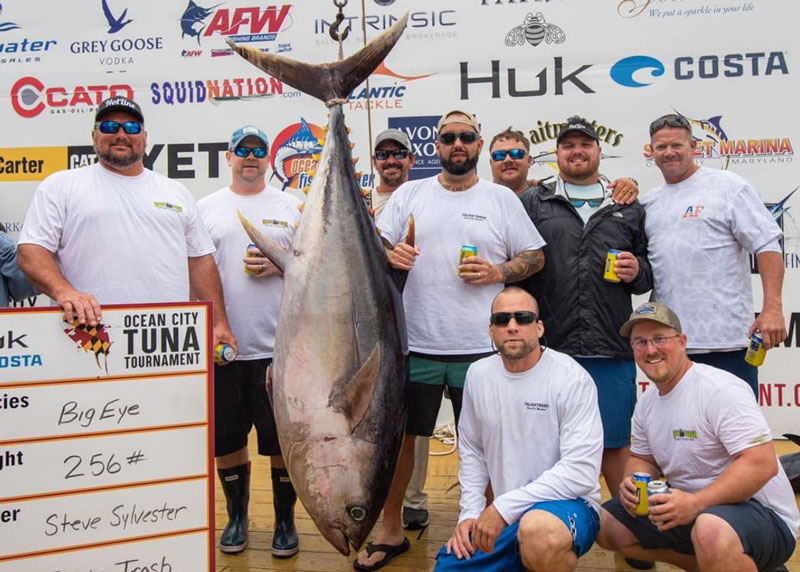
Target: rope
[[446, 434]]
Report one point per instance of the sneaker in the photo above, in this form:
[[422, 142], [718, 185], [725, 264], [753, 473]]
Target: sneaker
[[415, 518]]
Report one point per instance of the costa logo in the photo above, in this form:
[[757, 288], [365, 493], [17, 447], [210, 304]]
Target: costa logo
[[30, 97]]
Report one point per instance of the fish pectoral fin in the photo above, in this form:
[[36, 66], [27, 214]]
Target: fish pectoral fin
[[278, 255], [356, 396]]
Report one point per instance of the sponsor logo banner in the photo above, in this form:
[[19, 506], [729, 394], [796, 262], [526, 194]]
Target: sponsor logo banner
[[421, 131], [31, 163]]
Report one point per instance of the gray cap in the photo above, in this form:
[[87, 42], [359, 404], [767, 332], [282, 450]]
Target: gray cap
[[654, 312], [393, 135]]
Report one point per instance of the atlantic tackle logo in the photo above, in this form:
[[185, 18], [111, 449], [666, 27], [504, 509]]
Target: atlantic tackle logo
[[193, 20], [91, 339], [534, 30], [115, 24], [294, 154], [7, 26]]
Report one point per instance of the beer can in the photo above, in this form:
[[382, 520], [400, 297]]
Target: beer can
[[249, 254], [756, 352], [656, 488], [611, 259], [224, 354], [467, 251], [641, 480]]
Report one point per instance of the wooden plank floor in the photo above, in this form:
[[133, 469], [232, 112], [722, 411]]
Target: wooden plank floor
[[316, 555]]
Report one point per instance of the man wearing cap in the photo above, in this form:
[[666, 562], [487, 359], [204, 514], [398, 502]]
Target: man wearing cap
[[730, 504], [583, 310], [240, 393], [393, 160], [444, 299], [701, 225], [117, 233]]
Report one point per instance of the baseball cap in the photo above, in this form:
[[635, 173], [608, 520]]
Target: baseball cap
[[654, 312], [393, 135], [574, 124], [248, 131], [468, 118], [119, 103]]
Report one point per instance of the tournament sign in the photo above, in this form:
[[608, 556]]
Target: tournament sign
[[105, 440]]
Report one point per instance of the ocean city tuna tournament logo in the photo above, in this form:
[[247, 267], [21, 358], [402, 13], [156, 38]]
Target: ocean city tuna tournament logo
[[535, 30], [718, 149], [91, 339], [7, 26]]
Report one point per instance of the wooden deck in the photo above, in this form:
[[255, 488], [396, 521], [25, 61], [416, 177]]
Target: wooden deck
[[316, 555]]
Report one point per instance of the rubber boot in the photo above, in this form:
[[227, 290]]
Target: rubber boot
[[236, 485], [284, 537]]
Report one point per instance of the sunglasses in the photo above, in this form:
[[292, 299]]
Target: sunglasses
[[465, 136], [503, 318], [578, 203], [129, 127], [672, 120], [501, 154], [242, 151], [398, 154]]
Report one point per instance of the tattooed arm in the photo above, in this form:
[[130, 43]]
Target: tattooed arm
[[477, 271]]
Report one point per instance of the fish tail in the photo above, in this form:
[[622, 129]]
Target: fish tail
[[330, 81]]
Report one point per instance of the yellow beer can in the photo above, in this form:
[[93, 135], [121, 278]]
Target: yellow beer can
[[611, 259]]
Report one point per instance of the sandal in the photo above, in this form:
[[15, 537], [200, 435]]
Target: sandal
[[389, 550]]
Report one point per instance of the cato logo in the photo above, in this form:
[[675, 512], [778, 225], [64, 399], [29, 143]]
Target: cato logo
[[534, 30], [244, 24], [716, 148], [641, 71], [7, 26], [30, 97], [293, 154]]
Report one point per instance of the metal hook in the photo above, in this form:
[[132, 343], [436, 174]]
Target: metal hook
[[334, 29]]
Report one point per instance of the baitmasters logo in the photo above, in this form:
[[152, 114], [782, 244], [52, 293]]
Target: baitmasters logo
[[534, 30], [251, 25], [718, 148], [116, 51], [24, 50]]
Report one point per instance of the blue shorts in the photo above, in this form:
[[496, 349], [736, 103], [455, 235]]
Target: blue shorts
[[577, 515], [732, 362], [615, 379]]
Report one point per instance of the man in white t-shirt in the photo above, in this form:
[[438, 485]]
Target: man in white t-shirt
[[393, 160], [443, 298], [252, 286], [730, 504], [117, 233], [701, 226], [531, 426]]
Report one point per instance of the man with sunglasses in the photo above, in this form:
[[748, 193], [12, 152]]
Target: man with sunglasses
[[393, 161], [240, 393], [730, 505], [530, 425], [701, 225], [581, 223], [117, 233], [443, 299]]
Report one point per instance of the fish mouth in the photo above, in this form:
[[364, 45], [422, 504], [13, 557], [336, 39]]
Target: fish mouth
[[339, 539]]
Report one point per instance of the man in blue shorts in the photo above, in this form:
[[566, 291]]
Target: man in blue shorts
[[730, 506], [530, 425]]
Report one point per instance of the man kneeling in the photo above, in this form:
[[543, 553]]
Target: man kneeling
[[531, 426], [730, 506]]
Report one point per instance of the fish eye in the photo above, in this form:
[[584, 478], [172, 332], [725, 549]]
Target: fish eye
[[357, 513]]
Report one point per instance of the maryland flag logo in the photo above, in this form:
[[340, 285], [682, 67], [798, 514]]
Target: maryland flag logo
[[92, 339]]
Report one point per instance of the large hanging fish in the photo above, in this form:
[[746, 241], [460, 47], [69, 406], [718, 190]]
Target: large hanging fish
[[339, 371]]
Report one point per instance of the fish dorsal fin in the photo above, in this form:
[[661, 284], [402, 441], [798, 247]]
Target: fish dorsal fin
[[356, 396], [278, 255]]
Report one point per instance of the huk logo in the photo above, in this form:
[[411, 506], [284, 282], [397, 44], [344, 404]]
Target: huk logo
[[693, 211], [115, 24], [533, 30], [6, 26]]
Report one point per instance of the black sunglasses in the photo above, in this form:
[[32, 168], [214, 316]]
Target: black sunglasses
[[129, 127], [673, 120], [465, 136], [501, 154], [242, 151], [503, 318], [398, 154]]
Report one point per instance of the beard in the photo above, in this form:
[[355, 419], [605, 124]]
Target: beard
[[520, 350], [120, 161], [459, 168]]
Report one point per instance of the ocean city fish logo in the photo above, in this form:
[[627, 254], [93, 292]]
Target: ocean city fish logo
[[294, 154], [115, 24], [91, 339], [534, 30], [193, 20], [7, 26], [626, 71]]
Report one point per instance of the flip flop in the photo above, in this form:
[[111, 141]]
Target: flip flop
[[388, 549]]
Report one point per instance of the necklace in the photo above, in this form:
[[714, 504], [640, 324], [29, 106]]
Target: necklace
[[458, 187]]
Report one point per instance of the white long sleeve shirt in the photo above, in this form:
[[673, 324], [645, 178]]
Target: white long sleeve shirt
[[535, 435]]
